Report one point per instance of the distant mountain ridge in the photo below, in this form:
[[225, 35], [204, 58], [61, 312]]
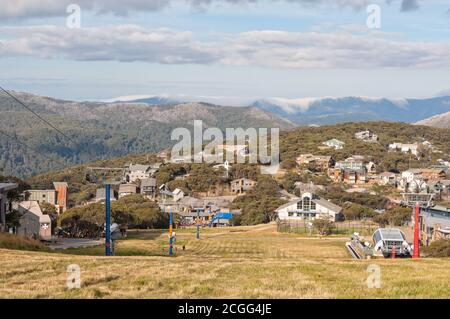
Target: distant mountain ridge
[[439, 121], [100, 130], [331, 110]]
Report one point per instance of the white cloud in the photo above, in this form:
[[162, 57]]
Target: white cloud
[[266, 48], [124, 43], [24, 9]]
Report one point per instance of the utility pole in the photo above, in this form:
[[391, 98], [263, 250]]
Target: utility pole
[[198, 223], [4, 188], [416, 252], [107, 220], [170, 232]]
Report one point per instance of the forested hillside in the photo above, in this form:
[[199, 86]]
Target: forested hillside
[[102, 130], [309, 140]]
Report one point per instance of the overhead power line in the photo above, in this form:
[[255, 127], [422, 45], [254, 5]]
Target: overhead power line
[[36, 114]]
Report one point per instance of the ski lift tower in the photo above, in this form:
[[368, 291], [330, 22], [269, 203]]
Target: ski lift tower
[[107, 176], [417, 201]]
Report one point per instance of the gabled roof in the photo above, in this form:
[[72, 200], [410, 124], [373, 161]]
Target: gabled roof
[[34, 208], [328, 205], [139, 167], [146, 182], [127, 187], [191, 201], [319, 201]]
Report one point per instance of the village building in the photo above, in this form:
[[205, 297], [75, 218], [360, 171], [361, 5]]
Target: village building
[[371, 168], [413, 186], [221, 219], [309, 207], [57, 196], [405, 148], [177, 194], [320, 162], [42, 196], [4, 202], [148, 187], [127, 189], [225, 167], [355, 176], [350, 163], [242, 185], [434, 223], [334, 143], [62, 190], [239, 149], [134, 172], [33, 223], [433, 174], [387, 178], [367, 136], [445, 192]]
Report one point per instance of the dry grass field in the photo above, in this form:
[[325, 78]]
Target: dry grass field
[[242, 262]]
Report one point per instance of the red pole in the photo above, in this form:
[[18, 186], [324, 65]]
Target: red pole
[[416, 252], [393, 252]]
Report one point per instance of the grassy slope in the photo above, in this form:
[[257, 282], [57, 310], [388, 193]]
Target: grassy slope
[[9, 241], [248, 262]]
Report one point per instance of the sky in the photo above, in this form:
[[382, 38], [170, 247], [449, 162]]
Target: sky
[[225, 51]]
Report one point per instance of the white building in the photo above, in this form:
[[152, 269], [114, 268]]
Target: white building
[[413, 186], [388, 178], [412, 174], [405, 148], [33, 223], [134, 172], [177, 194], [367, 136], [350, 163], [127, 189], [334, 143], [309, 207]]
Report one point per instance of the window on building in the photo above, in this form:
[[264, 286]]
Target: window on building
[[306, 204], [290, 214]]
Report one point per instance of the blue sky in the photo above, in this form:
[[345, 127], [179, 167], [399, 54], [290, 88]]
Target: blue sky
[[234, 52]]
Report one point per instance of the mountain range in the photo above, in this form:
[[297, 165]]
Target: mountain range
[[99, 130], [332, 110]]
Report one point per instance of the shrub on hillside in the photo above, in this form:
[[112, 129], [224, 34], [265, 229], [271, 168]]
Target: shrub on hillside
[[258, 205], [353, 211], [438, 248], [132, 211], [397, 216]]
